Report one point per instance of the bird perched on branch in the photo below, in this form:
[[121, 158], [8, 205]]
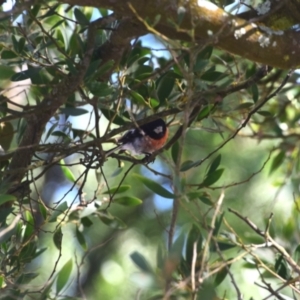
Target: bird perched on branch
[[145, 139]]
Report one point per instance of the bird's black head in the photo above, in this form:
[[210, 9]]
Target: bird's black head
[[155, 129]]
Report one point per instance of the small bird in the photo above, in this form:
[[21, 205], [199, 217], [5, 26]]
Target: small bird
[[145, 139]]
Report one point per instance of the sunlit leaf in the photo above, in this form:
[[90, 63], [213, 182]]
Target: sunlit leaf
[[64, 275], [128, 201], [67, 172], [117, 189]]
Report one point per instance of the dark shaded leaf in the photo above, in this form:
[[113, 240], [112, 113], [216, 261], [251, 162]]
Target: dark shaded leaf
[[7, 198], [81, 240], [165, 85], [141, 262], [277, 161], [86, 222], [73, 111], [186, 165], [154, 186], [212, 177], [296, 255], [80, 17], [194, 236], [214, 165], [112, 221], [57, 238], [58, 211], [221, 275], [281, 267], [218, 224], [174, 152]]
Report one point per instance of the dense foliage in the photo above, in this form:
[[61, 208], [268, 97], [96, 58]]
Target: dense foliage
[[214, 214]]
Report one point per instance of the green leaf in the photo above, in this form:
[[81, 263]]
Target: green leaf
[[154, 102], [8, 54], [200, 65], [57, 238], [174, 152], [109, 114], [100, 89], [212, 177], [141, 262], [29, 227], [205, 53], [220, 276], [214, 165], [67, 172], [218, 224], [111, 221], [154, 186], [58, 211], [255, 93], [5, 236], [244, 106], [73, 111], [128, 201], [86, 222], [26, 278], [64, 276], [296, 255], [80, 17], [265, 113], [117, 189], [213, 76], [277, 161], [165, 85], [205, 112], [20, 76], [7, 198], [81, 240], [138, 98], [6, 72], [281, 267], [188, 164], [104, 69], [206, 200], [194, 236]]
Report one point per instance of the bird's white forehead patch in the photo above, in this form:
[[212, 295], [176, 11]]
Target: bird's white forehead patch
[[158, 129]]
